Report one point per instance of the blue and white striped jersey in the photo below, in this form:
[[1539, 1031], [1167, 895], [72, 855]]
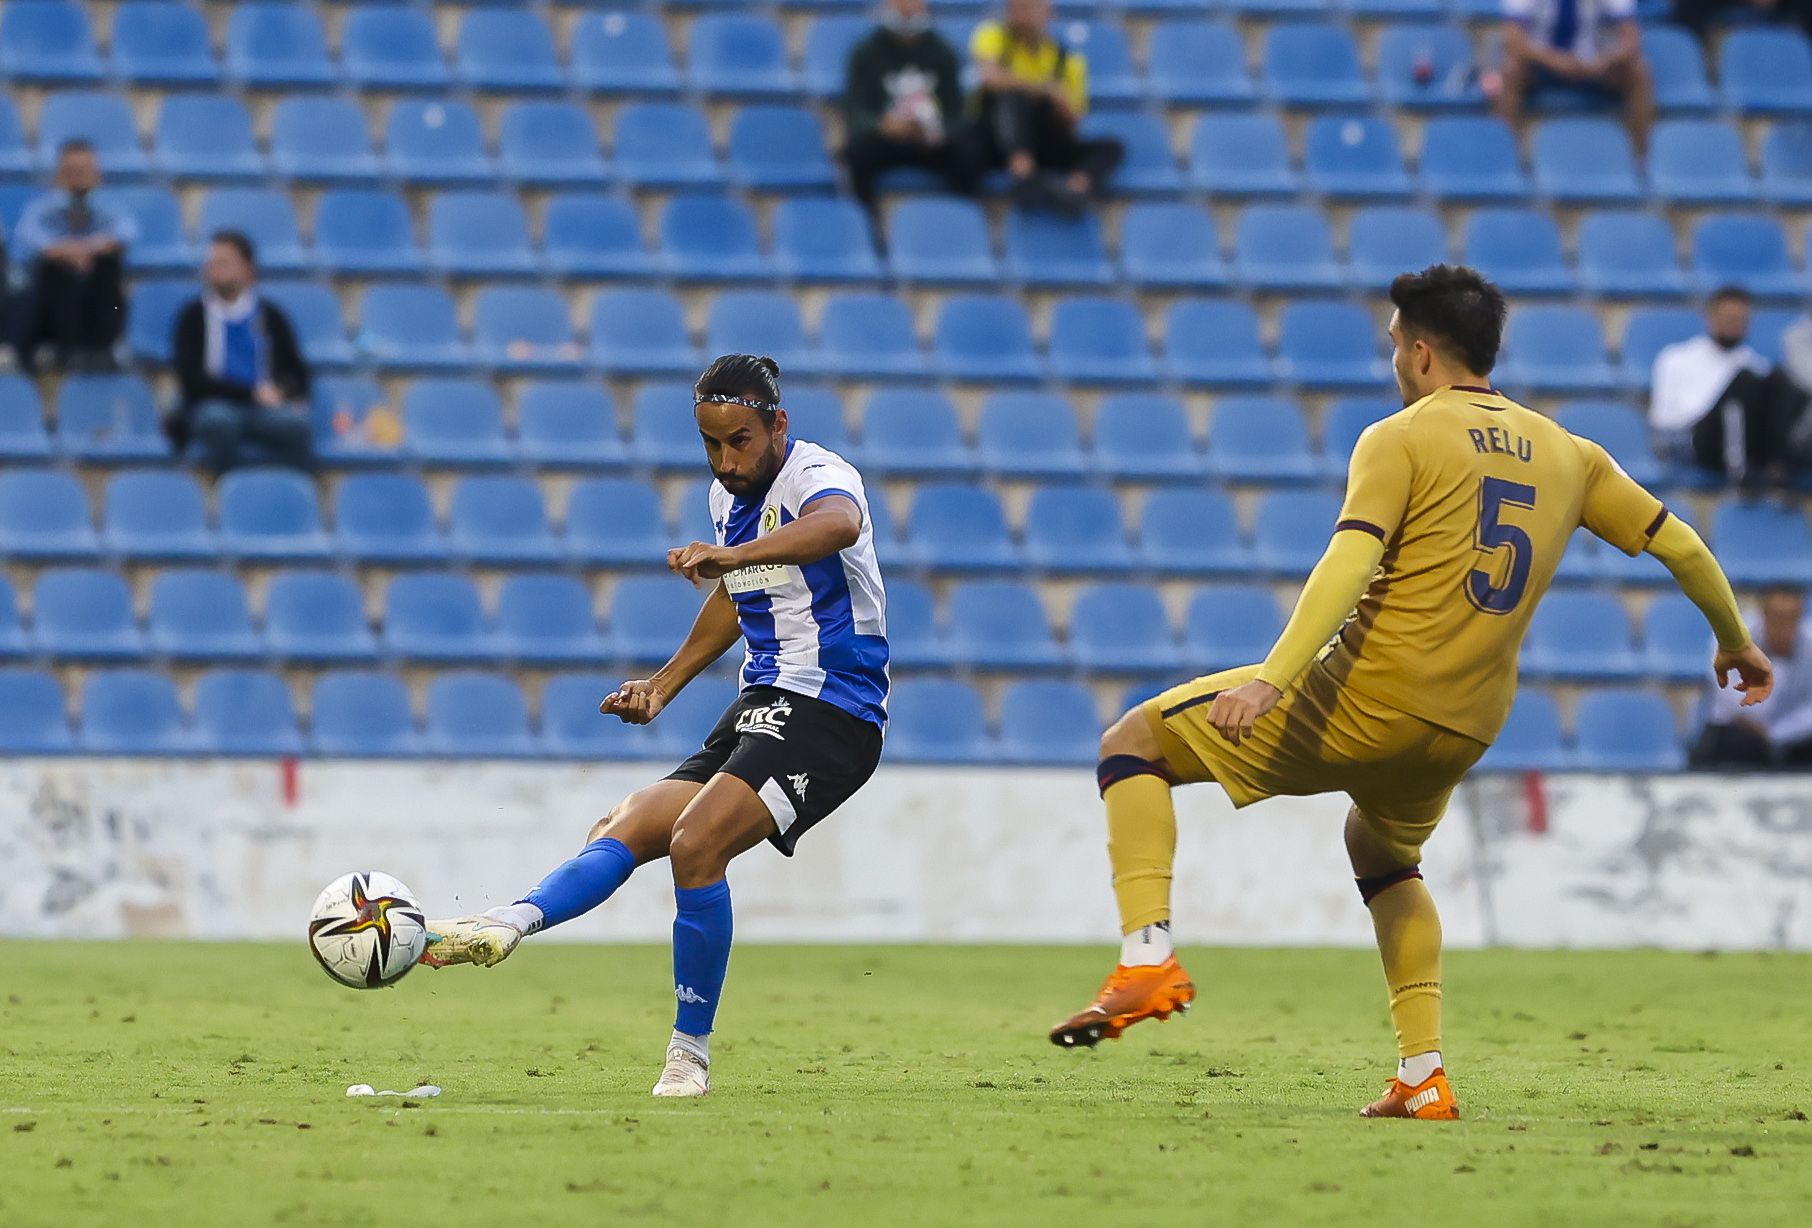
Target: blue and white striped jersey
[[821, 629]]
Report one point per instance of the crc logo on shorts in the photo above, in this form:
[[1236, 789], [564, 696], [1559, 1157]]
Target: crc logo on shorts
[[770, 720]]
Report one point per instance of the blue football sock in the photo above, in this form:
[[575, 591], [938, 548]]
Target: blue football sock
[[577, 886], [701, 953]]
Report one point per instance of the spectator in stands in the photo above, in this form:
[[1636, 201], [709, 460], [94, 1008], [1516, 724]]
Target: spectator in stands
[[240, 371], [1796, 405], [1030, 97], [1715, 403], [1594, 45], [903, 104], [1778, 733], [72, 249], [1700, 15]]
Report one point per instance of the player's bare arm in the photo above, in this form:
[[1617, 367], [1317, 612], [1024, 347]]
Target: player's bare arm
[[640, 700], [825, 526], [1697, 573]]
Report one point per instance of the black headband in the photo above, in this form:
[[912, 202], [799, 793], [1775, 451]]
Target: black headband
[[720, 399]]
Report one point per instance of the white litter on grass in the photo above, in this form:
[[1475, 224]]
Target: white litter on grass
[[424, 1092]]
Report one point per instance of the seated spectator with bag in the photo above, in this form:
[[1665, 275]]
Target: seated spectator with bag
[[903, 104], [1777, 734]]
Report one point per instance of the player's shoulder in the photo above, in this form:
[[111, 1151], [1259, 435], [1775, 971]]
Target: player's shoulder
[[813, 467]]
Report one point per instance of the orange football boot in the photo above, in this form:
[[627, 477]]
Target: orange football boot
[[1150, 991], [1430, 1100]]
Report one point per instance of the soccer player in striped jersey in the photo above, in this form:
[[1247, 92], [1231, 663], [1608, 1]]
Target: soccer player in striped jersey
[[792, 575]]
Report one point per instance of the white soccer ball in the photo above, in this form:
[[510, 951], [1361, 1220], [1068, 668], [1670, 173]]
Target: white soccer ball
[[367, 930]]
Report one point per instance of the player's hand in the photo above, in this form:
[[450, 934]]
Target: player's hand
[[1235, 712], [636, 702], [1754, 671], [701, 561]]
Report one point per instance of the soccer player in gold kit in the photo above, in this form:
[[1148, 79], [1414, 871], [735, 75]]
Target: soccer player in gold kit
[[1397, 667]]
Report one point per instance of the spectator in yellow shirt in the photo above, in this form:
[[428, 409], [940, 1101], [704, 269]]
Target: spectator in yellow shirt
[[1031, 92]]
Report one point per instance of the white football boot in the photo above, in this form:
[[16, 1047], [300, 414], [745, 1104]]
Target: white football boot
[[480, 939], [686, 1074]]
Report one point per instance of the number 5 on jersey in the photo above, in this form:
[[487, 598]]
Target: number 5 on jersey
[[1493, 535]]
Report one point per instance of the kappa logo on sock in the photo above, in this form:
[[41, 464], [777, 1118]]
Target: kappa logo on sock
[[689, 995], [770, 720], [799, 782]]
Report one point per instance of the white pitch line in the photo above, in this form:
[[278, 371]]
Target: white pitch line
[[148, 1111]]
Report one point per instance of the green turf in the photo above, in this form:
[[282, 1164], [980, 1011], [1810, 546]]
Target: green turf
[[150, 1084]]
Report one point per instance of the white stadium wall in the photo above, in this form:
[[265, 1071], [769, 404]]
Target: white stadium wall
[[117, 848]]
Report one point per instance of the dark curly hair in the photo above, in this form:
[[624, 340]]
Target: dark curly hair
[[747, 378], [1453, 308]]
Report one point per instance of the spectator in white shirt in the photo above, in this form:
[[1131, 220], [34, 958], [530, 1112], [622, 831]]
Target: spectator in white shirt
[[1715, 403], [1776, 734], [1592, 45]]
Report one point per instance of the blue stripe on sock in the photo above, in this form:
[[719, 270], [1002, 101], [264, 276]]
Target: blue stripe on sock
[[701, 953], [583, 882]]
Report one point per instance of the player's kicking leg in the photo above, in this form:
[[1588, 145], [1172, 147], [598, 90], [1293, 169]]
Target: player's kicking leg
[[1409, 942]]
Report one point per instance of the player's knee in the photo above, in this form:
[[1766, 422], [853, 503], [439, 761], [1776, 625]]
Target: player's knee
[[698, 854], [1131, 735]]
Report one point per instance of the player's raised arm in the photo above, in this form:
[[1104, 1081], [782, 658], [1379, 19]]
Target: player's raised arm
[[830, 521], [640, 700]]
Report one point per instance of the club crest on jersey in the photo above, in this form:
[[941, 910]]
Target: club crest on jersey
[[770, 720], [770, 519]]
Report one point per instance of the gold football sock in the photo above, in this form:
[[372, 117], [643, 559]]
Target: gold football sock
[[1141, 838], [1409, 940]]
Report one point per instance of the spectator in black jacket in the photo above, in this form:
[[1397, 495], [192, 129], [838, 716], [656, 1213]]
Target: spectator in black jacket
[[903, 104], [239, 368]]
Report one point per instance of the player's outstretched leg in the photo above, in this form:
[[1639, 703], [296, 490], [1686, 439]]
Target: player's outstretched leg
[[637, 831], [1148, 982], [1409, 941]]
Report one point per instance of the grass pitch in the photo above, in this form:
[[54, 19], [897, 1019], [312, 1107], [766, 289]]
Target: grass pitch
[[147, 1084]]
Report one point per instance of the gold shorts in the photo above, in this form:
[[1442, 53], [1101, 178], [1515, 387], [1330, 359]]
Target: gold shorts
[[1320, 738]]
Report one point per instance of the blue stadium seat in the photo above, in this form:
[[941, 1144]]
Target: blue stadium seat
[[480, 234], [1650, 329], [1427, 68], [34, 719], [664, 435], [477, 716], [646, 617], [266, 217], [760, 322], [573, 728], [870, 336], [386, 518], [915, 637], [436, 141], [615, 522], [154, 303], [984, 338], [1766, 72], [160, 243], [1192, 531], [108, 419], [1627, 731], [13, 641], [561, 425], [392, 47], [1329, 345], [47, 40], [1748, 250], [44, 515], [503, 49], [524, 328], [1099, 340], [343, 409], [687, 721], [1786, 164], [665, 145], [321, 139], [1145, 437], [500, 520], [1171, 245], [778, 149], [642, 332], [1530, 740], [15, 153], [1763, 543], [245, 712], [316, 616], [277, 46], [1229, 625], [742, 55], [594, 236], [1150, 164], [1215, 343], [1519, 249], [907, 431], [1676, 643], [1355, 158], [1046, 721], [1585, 160], [450, 421], [1628, 254], [314, 312], [959, 528], [1556, 349], [711, 238], [1113, 80], [624, 53], [1312, 65], [550, 144], [1580, 635], [132, 712], [156, 43], [1198, 63], [103, 120], [1260, 439], [1240, 154], [1699, 162], [270, 514], [1768, 327], [156, 514], [82, 613], [434, 616], [411, 327], [201, 615], [1678, 65], [1292, 529], [206, 136], [1123, 629], [1001, 624], [1385, 240], [1468, 157], [1285, 247], [828, 43], [1044, 249], [937, 720], [941, 240], [363, 715], [1076, 529], [1342, 422], [1618, 428], [22, 436], [823, 240]]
